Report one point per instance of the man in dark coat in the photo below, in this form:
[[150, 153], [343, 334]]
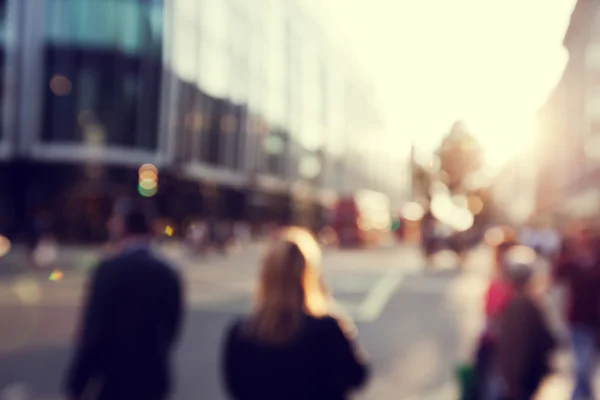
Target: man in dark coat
[[525, 342], [130, 324]]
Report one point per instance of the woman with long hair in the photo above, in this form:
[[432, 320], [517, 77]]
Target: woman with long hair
[[291, 346]]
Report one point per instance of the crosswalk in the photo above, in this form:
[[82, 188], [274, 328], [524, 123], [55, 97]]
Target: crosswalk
[[363, 295]]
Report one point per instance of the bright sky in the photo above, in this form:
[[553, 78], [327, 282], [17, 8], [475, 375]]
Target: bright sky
[[489, 62]]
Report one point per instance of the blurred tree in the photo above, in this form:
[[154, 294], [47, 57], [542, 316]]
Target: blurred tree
[[460, 155]]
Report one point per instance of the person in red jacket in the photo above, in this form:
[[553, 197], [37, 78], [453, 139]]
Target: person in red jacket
[[498, 295]]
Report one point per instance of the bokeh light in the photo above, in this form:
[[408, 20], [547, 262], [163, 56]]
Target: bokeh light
[[5, 246], [521, 255], [27, 290], [148, 180], [147, 192], [169, 231], [148, 184], [56, 275], [475, 205], [60, 85], [148, 175], [445, 210], [463, 220], [494, 236], [413, 212], [148, 167]]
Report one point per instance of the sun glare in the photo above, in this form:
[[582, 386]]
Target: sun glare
[[460, 62]]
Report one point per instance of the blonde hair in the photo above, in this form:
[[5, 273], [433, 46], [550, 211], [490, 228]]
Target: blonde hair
[[290, 286]]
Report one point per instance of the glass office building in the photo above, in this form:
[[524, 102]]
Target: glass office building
[[247, 110]]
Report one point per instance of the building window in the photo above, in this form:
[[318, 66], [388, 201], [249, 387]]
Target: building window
[[103, 69], [100, 98], [130, 26]]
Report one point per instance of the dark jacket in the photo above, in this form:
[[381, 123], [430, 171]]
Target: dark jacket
[[524, 347], [583, 285], [130, 323], [320, 363]]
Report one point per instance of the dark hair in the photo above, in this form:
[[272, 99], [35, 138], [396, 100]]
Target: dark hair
[[520, 275], [136, 223]]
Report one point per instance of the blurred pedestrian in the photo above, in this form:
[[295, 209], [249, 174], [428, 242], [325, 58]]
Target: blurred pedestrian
[[498, 295], [291, 346], [577, 266], [130, 323], [524, 340], [42, 246]]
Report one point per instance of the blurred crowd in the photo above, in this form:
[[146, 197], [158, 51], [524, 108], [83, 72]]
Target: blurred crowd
[[514, 355], [296, 344]]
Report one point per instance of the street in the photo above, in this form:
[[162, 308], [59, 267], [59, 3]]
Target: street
[[416, 323]]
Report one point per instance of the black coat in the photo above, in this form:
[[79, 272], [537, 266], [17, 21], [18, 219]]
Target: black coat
[[129, 326], [320, 363]]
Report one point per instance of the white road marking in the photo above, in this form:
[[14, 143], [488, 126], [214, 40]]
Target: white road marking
[[449, 391], [378, 296]]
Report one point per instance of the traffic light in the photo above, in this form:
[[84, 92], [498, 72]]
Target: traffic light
[[148, 180]]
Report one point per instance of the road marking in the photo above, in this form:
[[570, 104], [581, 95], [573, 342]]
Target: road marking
[[377, 298], [449, 391]]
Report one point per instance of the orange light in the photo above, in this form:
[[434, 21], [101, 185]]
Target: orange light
[[148, 175], [56, 275], [494, 236], [475, 205], [5, 246], [148, 167], [60, 85]]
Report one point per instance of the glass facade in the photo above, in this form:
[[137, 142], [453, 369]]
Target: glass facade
[[4, 38], [102, 75], [224, 83]]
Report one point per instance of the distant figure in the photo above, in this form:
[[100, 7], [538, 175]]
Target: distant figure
[[577, 266], [40, 237], [525, 342], [197, 237], [291, 346], [130, 323]]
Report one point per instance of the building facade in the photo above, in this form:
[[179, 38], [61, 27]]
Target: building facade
[[514, 189], [249, 112], [569, 125]]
